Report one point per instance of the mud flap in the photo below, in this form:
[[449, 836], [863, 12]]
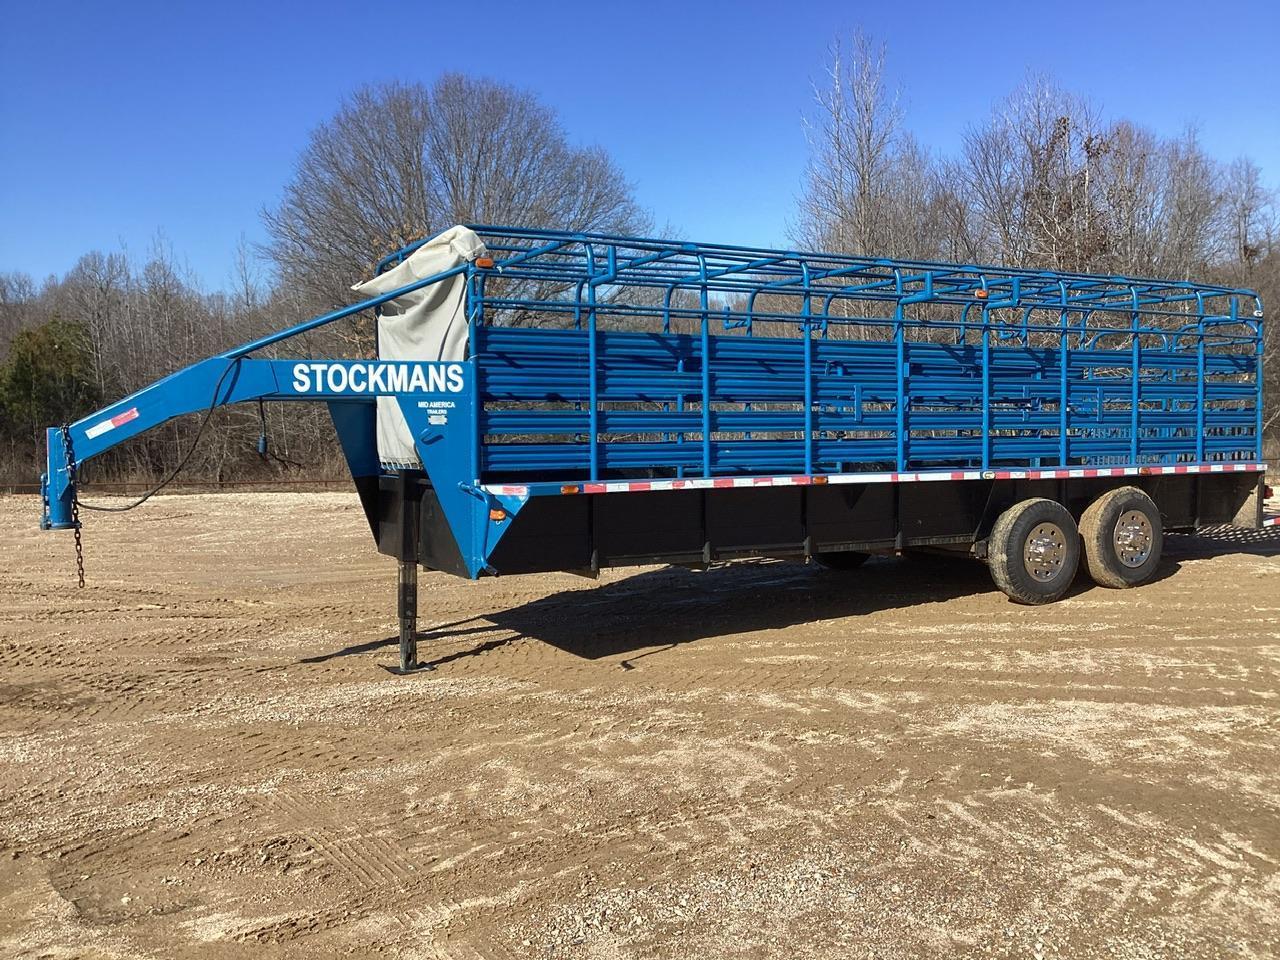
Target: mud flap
[[1250, 513]]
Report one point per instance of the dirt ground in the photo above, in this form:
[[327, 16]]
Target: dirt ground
[[203, 753]]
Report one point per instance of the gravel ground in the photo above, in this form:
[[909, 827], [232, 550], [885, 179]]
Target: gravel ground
[[204, 754]]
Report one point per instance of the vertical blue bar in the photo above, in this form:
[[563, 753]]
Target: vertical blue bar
[[666, 328], [1257, 428], [808, 398], [706, 397], [705, 304], [1200, 390], [986, 391], [593, 383], [1064, 359], [1136, 361], [901, 405]]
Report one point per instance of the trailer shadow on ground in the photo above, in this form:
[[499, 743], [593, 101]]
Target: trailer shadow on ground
[[1223, 540], [682, 606]]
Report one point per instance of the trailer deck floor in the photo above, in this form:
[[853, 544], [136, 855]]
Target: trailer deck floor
[[203, 751]]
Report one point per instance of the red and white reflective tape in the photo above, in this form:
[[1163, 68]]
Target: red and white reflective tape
[[98, 429], [718, 483], [1271, 521]]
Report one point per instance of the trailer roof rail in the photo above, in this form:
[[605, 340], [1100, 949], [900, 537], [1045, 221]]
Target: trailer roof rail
[[595, 259]]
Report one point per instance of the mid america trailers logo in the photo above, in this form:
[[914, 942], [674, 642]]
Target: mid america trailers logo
[[377, 377]]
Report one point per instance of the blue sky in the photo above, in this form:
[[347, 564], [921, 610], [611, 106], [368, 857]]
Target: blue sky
[[118, 120]]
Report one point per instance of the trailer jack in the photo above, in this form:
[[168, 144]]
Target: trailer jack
[[407, 608]]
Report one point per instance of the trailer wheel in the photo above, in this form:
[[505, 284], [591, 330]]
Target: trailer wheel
[[1123, 538], [841, 559], [1034, 551]]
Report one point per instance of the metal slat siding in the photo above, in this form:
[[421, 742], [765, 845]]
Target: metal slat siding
[[1007, 370]]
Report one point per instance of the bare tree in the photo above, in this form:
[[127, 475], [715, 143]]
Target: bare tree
[[402, 161], [1131, 178], [1031, 176], [1191, 210], [97, 289], [1249, 213], [869, 184]]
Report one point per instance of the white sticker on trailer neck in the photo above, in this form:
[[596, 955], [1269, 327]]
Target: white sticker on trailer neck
[[377, 377], [120, 419]]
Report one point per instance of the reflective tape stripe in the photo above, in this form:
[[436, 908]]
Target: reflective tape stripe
[[98, 429], [791, 480]]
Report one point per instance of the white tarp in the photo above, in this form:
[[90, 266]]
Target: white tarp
[[427, 324]]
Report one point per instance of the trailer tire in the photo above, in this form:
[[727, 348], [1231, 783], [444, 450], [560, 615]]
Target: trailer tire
[[1123, 538], [1034, 551], [841, 559]]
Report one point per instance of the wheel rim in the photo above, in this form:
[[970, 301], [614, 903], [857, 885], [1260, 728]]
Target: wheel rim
[[1045, 552], [1133, 538]]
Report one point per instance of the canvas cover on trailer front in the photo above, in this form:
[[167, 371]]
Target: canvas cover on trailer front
[[427, 324]]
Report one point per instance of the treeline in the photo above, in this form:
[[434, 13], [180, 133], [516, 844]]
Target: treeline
[[109, 327], [1044, 181]]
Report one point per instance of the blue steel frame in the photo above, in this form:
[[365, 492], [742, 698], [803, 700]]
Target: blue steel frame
[[593, 358]]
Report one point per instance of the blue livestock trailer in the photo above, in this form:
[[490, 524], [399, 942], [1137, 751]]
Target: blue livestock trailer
[[599, 401]]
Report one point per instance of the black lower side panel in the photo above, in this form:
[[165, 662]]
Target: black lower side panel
[[582, 532], [590, 531]]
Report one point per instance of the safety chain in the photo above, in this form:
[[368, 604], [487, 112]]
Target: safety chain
[[75, 502]]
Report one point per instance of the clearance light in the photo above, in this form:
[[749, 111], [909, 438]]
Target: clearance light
[[497, 514], [817, 479], [484, 263], [571, 488], [980, 294]]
